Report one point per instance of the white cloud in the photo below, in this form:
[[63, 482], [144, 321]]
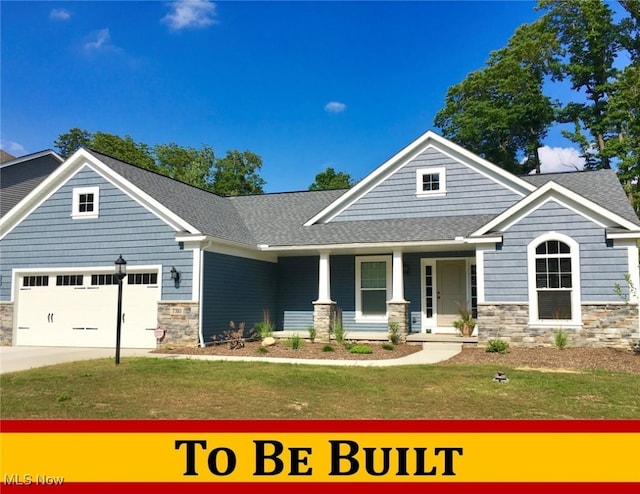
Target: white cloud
[[560, 159], [59, 15], [13, 148], [335, 107], [190, 14], [98, 39]]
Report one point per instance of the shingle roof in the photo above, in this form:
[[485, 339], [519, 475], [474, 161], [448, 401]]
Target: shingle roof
[[277, 219], [600, 186], [208, 212]]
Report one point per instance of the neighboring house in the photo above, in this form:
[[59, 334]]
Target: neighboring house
[[433, 228], [19, 176]]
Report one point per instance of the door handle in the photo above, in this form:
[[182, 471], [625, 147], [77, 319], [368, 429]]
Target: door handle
[[123, 317], [49, 317]]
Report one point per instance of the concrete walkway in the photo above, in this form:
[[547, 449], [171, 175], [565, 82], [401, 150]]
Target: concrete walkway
[[22, 358]]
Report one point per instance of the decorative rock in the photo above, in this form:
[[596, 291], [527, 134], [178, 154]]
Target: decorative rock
[[269, 341]]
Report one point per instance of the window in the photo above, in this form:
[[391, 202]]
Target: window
[[554, 280], [85, 202], [142, 278], [35, 281], [431, 182], [69, 280], [103, 279], [373, 286]]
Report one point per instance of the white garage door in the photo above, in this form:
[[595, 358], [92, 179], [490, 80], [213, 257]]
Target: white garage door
[[80, 309]]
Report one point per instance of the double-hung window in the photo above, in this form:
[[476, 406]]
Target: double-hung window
[[373, 287]]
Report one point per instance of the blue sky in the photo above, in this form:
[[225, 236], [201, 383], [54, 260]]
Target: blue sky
[[305, 85]]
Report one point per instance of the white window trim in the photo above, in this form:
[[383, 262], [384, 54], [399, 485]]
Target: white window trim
[[75, 211], [576, 315], [360, 317], [421, 172]]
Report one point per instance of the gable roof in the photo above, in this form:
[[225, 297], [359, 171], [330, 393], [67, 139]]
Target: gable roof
[[19, 176], [284, 221], [600, 186], [427, 140], [553, 190]]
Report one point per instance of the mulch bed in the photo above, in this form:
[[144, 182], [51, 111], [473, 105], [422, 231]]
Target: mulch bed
[[544, 358]]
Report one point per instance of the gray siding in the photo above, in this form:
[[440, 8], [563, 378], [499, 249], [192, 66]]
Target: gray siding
[[601, 265], [236, 289], [50, 238], [468, 193]]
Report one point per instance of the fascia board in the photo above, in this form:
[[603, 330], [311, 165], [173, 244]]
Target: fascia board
[[557, 191], [64, 172]]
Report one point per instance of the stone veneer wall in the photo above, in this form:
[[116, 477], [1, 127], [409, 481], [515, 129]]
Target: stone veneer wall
[[6, 323], [398, 312], [323, 315], [604, 325], [181, 321]]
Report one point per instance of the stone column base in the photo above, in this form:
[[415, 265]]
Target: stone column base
[[180, 321], [398, 312], [323, 316]]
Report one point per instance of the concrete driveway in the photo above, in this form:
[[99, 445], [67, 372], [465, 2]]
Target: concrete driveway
[[17, 358]]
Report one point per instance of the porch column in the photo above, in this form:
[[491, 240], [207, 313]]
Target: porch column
[[397, 307], [323, 308]]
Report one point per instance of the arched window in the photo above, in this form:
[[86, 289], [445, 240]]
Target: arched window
[[554, 280]]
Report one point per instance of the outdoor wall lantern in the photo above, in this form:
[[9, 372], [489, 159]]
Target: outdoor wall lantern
[[120, 273], [175, 274]]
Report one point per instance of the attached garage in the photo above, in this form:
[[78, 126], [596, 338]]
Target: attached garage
[[79, 308]]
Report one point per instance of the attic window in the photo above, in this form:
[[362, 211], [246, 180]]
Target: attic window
[[85, 202], [431, 182]]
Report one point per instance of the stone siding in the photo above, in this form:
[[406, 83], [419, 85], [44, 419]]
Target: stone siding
[[6, 323], [180, 321], [604, 325], [398, 312], [323, 317]]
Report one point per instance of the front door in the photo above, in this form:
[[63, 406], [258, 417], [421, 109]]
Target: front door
[[451, 290]]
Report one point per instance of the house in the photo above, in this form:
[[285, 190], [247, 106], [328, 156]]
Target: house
[[432, 229]]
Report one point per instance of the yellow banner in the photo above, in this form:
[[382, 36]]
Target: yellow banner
[[320, 457]]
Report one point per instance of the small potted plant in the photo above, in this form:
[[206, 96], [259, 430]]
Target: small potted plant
[[465, 322]]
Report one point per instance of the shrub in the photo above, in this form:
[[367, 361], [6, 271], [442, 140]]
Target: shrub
[[328, 348], [560, 339], [312, 333], [394, 332], [266, 327], [361, 349], [337, 329], [387, 346], [263, 349], [294, 342], [497, 346]]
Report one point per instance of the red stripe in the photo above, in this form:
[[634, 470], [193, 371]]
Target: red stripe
[[324, 426], [334, 488]]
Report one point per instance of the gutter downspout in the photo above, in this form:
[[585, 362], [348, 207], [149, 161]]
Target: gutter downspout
[[201, 291]]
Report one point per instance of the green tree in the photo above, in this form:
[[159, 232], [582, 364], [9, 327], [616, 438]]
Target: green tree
[[500, 112], [329, 180], [124, 149], [590, 41], [187, 164], [237, 174], [68, 143]]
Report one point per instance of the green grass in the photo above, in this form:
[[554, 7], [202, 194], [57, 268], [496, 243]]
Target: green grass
[[145, 388]]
